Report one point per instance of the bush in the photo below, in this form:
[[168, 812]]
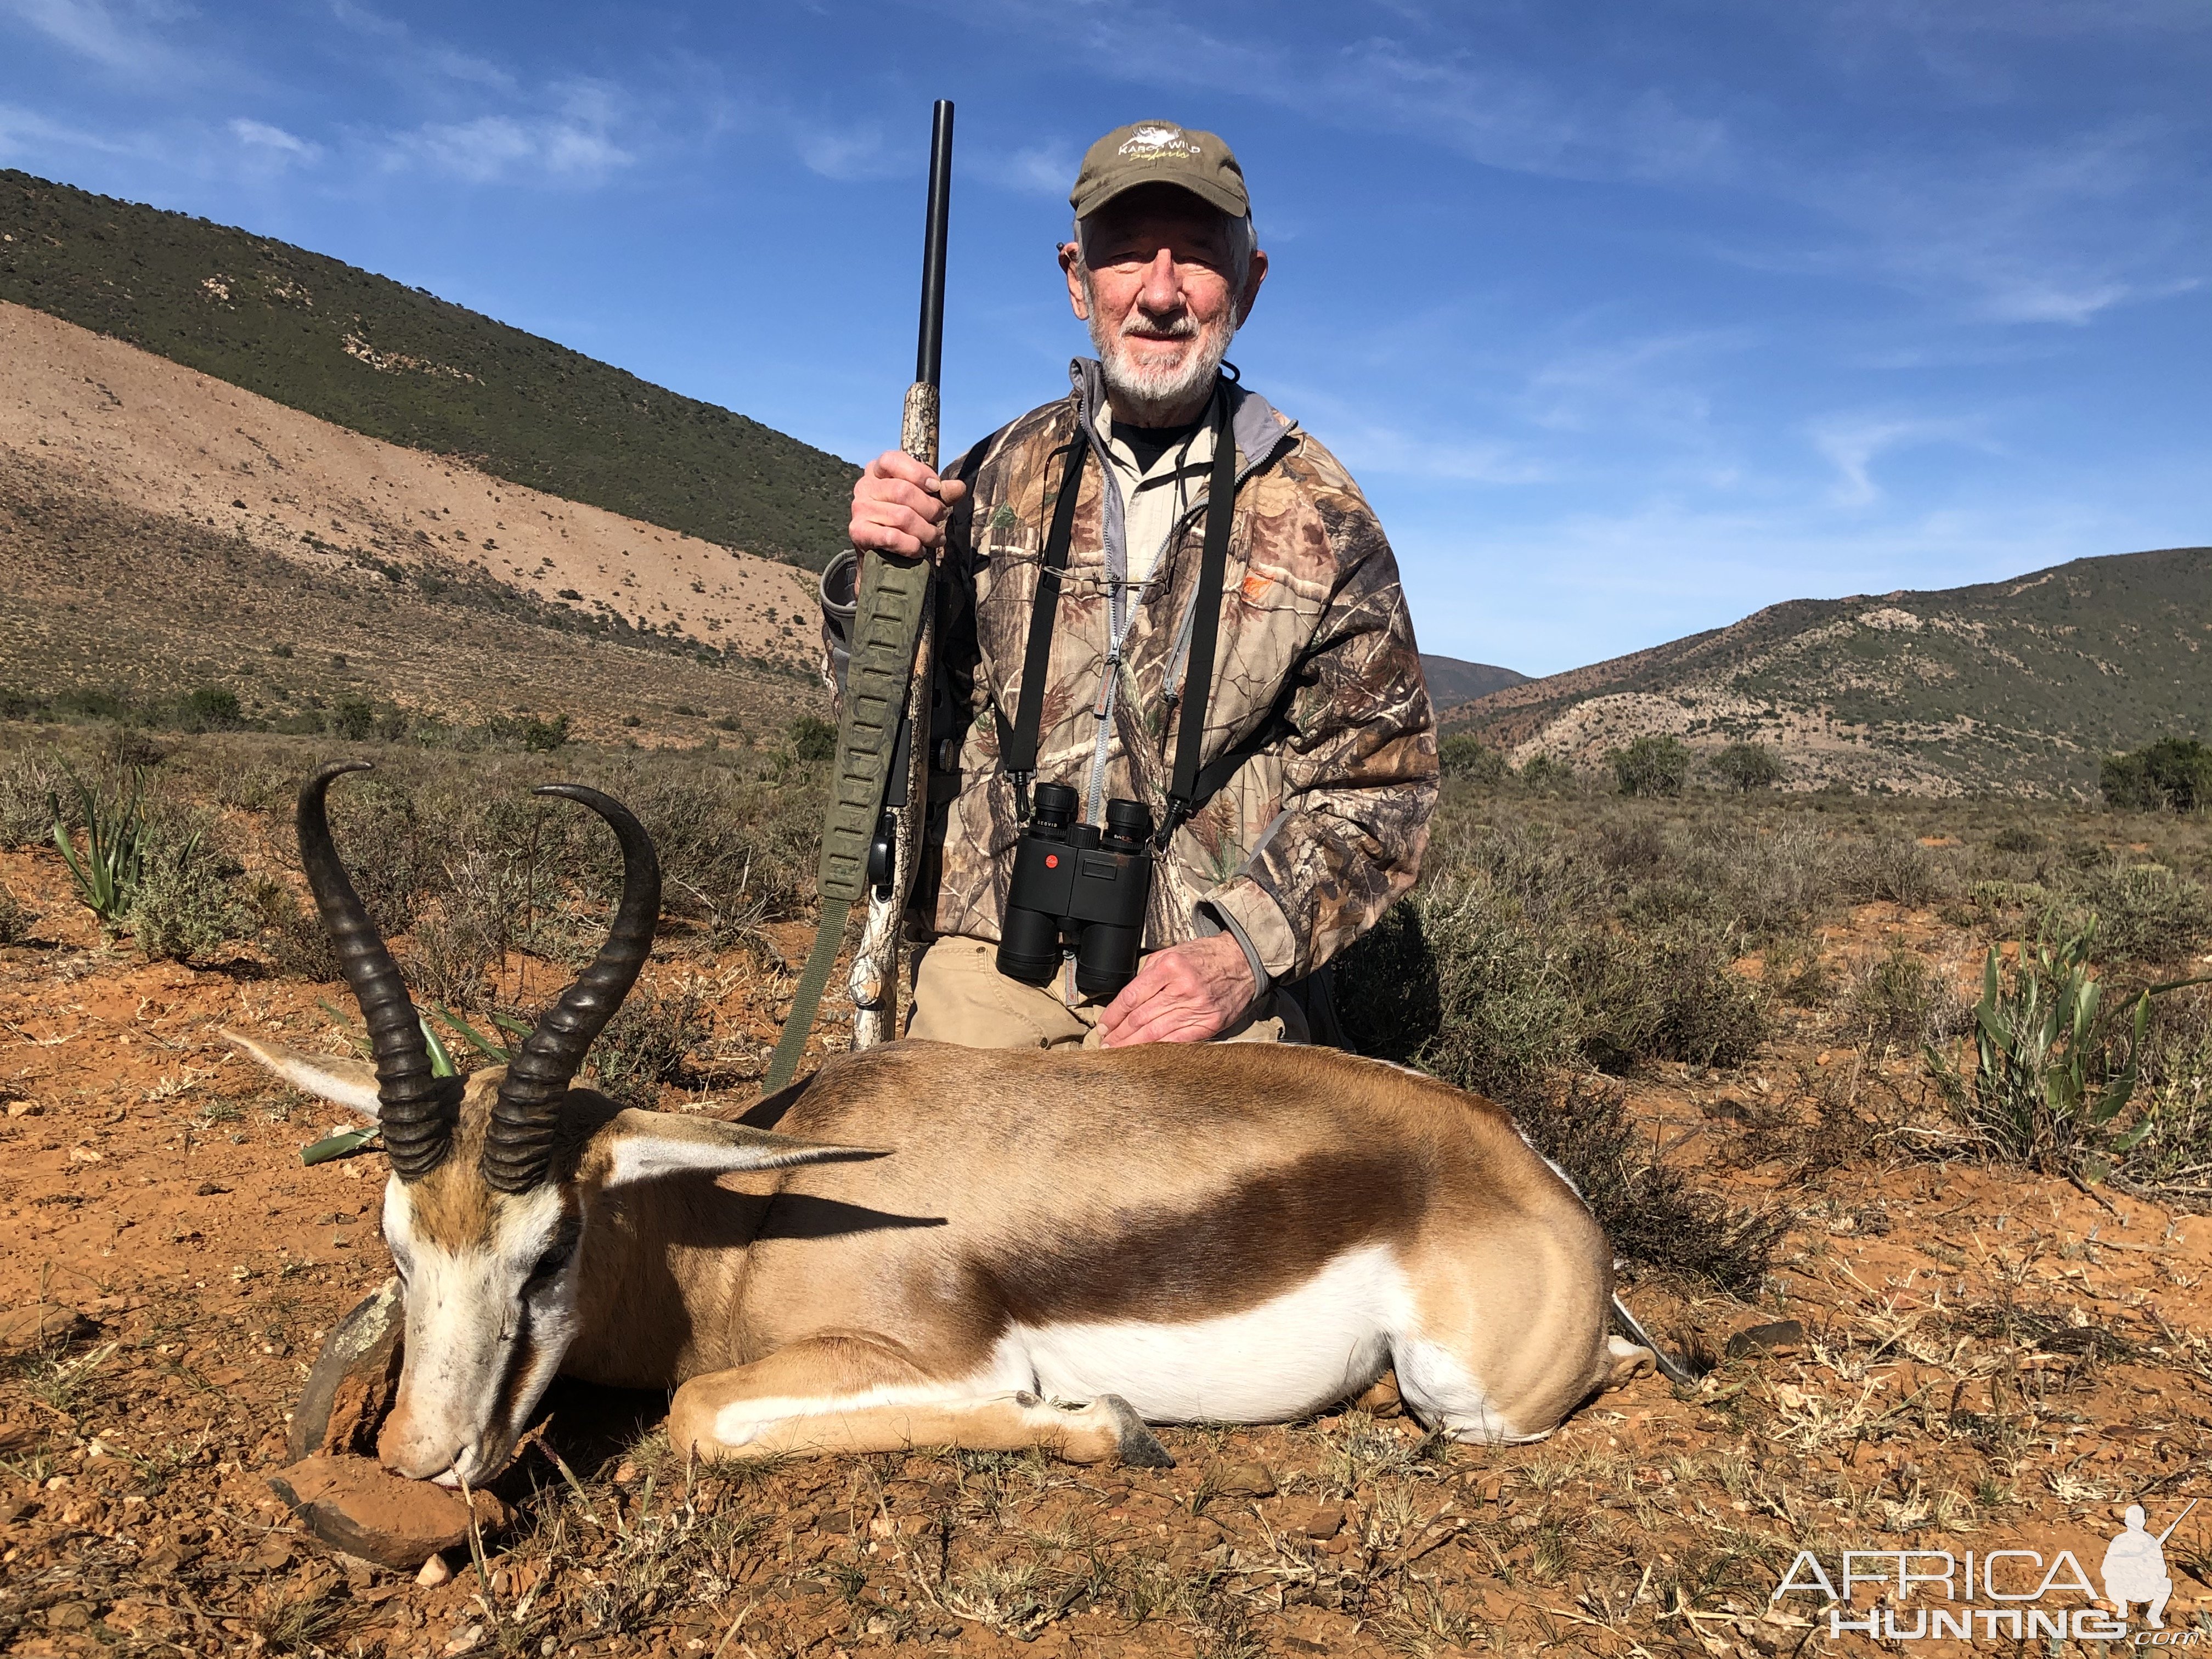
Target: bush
[[2146, 913], [813, 739], [2174, 773], [29, 783], [1651, 766], [212, 708], [1745, 767], [1464, 755], [1545, 775], [352, 720], [1898, 1003], [1897, 868], [188, 898], [16, 918]]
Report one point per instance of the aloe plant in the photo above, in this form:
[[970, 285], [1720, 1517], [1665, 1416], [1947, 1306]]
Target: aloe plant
[[115, 857], [2044, 1085]]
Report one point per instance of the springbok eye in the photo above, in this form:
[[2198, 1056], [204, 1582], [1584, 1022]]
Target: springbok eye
[[550, 1265]]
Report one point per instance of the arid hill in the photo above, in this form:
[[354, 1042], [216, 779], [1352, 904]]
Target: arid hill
[[160, 528], [399, 363], [2017, 685]]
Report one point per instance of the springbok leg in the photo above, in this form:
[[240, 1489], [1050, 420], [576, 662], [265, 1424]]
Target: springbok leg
[[845, 1394]]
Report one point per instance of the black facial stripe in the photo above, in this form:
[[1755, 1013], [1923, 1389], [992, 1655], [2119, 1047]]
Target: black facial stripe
[[520, 1364]]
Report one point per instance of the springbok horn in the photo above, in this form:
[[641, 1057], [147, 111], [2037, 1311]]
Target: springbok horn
[[417, 1108], [523, 1119]]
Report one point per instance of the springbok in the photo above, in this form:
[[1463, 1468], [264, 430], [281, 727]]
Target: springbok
[[940, 1246]]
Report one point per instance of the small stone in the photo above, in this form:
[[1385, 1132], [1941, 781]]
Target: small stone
[[354, 1381], [44, 1325], [433, 1572], [352, 1505], [25, 1109], [209, 1189], [625, 1473], [1783, 1336], [1323, 1522], [1244, 1480]]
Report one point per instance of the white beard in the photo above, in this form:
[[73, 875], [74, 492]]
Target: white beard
[[1149, 394]]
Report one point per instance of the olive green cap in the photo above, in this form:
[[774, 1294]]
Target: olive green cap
[[1160, 153]]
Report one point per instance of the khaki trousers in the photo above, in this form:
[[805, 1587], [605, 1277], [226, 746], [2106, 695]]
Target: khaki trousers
[[960, 996]]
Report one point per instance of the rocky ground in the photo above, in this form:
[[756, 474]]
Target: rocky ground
[[1982, 1359]]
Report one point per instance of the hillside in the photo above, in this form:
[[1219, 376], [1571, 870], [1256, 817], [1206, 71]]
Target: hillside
[[161, 530], [1453, 681], [372, 354], [2012, 685]]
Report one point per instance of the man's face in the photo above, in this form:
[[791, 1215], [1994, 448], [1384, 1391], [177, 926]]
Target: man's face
[[1156, 278]]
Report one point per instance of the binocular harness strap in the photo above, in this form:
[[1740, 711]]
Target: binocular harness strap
[[1190, 787]]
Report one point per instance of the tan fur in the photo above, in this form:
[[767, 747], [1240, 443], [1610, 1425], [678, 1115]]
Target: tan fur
[[1027, 1190]]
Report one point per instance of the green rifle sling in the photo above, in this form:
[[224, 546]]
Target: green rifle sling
[[894, 595]]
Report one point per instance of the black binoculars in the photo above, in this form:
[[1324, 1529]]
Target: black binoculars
[[1078, 883]]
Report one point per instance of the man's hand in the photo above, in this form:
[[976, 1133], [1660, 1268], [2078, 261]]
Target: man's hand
[[1185, 994], [899, 506]]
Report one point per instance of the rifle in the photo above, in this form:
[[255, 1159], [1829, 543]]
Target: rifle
[[879, 794], [2178, 1519]]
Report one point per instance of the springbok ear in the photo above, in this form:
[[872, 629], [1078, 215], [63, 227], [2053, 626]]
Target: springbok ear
[[640, 1146], [343, 1082]]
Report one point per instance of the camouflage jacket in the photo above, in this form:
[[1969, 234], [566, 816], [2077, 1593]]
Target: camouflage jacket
[[1312, 837]]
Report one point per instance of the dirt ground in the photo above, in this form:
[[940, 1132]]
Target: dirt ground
[[1988, 1361]]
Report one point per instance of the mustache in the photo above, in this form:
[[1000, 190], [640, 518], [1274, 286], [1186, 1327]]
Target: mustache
[[1176, 325]]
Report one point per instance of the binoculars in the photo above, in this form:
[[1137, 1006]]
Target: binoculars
[[1078, 885]]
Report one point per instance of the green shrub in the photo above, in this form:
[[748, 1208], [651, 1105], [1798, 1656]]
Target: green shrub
[[352, 720], [1898, 1003], [2174, 773], [212, 708], [1545, 775], [649, 1042], [1897, 868], [2146, 913], [1745, 767], [1651, 766], [1465, 756], [188, 898], [813, 739], [29, 783]]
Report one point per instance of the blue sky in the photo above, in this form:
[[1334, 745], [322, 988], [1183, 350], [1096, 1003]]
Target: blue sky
[[1630, 317]]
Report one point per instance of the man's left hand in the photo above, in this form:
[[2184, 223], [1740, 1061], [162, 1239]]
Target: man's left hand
[[1185, 994]]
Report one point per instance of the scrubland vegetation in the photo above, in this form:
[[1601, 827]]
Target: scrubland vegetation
[[1766, 1033]]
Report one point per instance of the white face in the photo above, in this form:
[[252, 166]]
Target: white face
[[487, 1328]]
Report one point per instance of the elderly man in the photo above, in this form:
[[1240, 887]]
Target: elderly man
[[1319, 743]]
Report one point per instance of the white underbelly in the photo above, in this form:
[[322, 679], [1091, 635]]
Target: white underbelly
[[1288, 1357]]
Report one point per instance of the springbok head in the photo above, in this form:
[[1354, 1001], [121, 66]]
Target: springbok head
[[495, 1181]]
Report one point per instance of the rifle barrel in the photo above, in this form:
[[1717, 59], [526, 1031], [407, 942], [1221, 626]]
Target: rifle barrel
[[930, 357]]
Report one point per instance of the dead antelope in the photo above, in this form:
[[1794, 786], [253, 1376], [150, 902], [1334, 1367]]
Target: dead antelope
[[1050, 1249]]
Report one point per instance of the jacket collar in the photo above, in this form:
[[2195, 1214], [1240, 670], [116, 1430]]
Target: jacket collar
[[1259, 427]]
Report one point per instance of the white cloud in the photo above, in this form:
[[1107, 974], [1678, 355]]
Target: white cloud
[[116, 37], [577, 141], [1852, 444], [273, 142], [847, 155]]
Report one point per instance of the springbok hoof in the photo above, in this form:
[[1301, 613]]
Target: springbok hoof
[[1139, 1447]]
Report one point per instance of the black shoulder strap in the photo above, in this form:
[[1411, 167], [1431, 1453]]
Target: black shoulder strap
[[1183, 794], [1190, 787], [1017, 745]]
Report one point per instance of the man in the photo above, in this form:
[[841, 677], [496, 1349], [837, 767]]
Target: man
[[2134, 1568], [1317, 700]]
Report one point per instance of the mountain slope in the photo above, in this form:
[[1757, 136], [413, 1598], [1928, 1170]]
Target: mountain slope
[[1453, 681], [106, 421], [2019, 684], [396, 363]]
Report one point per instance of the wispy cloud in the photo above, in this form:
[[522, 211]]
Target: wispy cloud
[[273, 142], [578, 142], [123, 37], [1852, 444], [844, 154]]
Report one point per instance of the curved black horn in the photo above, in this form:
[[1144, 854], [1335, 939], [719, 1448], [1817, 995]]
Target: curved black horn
[[417, 1107], [526, 1114]]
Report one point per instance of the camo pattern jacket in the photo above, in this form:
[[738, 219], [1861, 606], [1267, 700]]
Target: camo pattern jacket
[[1313, 836]]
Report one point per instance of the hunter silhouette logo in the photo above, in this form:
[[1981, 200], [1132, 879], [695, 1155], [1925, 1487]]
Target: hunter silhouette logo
[[1996, 1595], [2135, 1567]]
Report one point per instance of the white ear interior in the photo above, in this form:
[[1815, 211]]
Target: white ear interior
[[639, 1145], [340, 1079]]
